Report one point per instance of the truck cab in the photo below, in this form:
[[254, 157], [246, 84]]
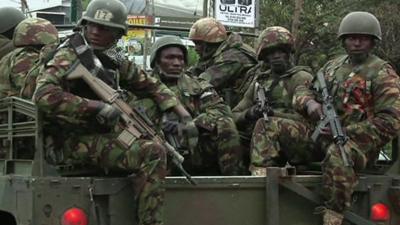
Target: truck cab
[[35, 192]]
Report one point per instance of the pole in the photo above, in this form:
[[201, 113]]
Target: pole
[[73, 11], [205, 7]]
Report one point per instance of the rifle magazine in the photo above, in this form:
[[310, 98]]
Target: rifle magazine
[[126, 139]]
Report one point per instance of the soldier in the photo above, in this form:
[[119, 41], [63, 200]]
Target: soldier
[[84, 126], [224, 60], [269, 146], [18, 77], [219, 150], [10, 17], [366, 95]]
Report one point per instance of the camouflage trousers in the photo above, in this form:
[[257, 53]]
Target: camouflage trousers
[[280, 140], [338, 180], [145, 158], [219, 145], [219, 150]]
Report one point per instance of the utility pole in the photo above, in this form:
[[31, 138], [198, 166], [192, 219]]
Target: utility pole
[[76, 10], [73, 11], [296, 18], [205, 8], [24, 7]]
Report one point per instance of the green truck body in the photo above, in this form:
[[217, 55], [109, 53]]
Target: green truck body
[[32, 192]]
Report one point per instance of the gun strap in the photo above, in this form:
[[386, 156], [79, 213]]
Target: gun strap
[[84, 52], [88, 59]]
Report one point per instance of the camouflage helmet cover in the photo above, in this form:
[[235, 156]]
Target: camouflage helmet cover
[[208, 30], [360, 23], [110, 13], [273, 37], [35, 31], [9, 17], [166, 41]]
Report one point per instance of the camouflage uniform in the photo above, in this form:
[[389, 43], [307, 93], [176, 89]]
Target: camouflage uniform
[[367, 100], [218, 150], [269, 137], [9, 17], [268, 146], [72, 108], [227, 66], [219, 142], [19, 67]]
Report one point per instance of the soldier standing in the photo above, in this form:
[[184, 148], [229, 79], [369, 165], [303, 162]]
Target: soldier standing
[[10, 17], [224, 60], [218, 150], [84, 126], [18, 77], [270, 146], [366, 95]]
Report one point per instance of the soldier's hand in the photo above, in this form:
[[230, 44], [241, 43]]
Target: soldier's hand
[[170, 126], [190, 132], [108, 115], [314, 109], [254, 113]]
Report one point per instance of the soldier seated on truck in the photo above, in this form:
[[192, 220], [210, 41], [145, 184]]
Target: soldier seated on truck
[[268, 102], [85, 128], [356, 98], [218, 151], [19, 68], [224, 59]]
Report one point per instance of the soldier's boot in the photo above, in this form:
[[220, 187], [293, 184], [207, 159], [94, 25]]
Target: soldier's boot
[[331, 217], [258, 171]]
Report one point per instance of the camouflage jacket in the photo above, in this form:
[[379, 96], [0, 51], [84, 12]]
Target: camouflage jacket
[[198, 96], [366, 98], [73, 102], [15, 68], [227, 67], [6, 46], [279, 94]]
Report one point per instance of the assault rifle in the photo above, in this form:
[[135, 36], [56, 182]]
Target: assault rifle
[[262, 100], [134, 126], [330, 117]]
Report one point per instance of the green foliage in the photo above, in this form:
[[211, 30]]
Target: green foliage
[[316, 40], [193, 57], [85, 3]]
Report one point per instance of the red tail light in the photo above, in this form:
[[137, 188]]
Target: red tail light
[[380, 212], [74, 216]]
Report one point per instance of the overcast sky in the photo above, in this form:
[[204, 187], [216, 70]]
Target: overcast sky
[[39, 4], [32, 4]]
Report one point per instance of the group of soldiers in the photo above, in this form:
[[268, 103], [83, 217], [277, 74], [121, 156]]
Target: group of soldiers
[[236, 112]]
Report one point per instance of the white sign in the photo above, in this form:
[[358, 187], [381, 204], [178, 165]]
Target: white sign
[[239, 13]]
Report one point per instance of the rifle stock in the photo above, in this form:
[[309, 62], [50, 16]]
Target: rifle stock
[[132, 122], [330, 118]]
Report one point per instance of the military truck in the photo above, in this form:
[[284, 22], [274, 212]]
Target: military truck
[[34, 192]]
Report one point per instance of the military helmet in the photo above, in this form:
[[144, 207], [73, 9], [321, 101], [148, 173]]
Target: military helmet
[[35, 31], [9, 17], [360, 23], [273, 37], [208, 30], [166, 41], [110, 13]]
